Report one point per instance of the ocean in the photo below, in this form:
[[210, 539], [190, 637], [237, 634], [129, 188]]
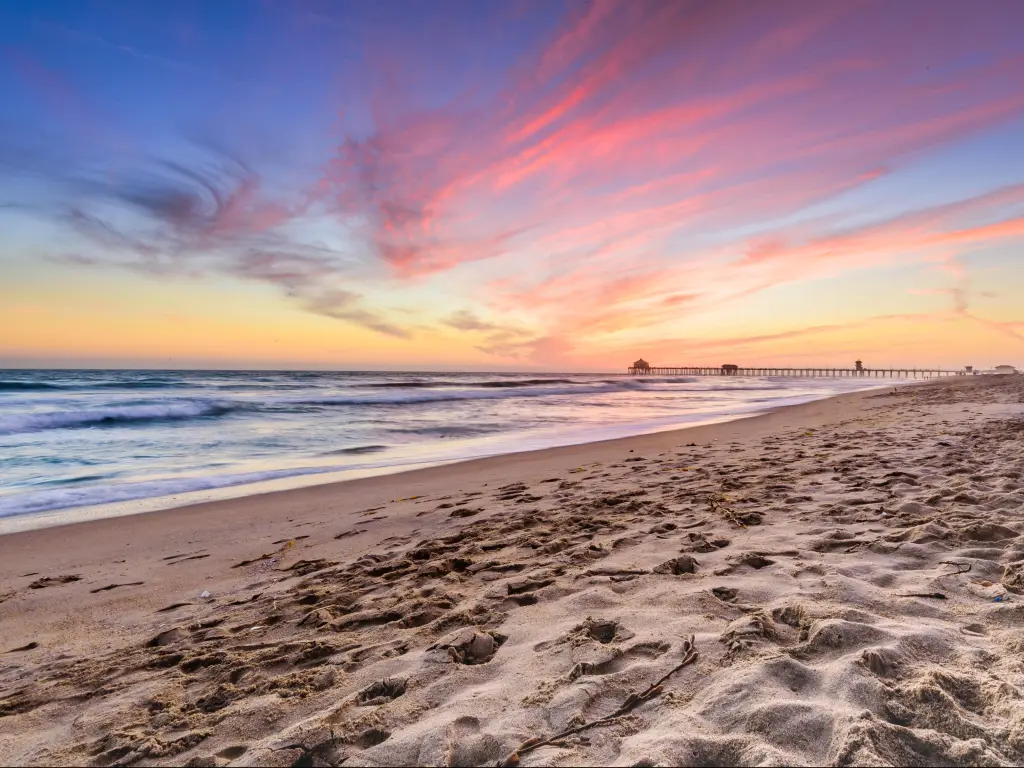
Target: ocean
[[98, 443]]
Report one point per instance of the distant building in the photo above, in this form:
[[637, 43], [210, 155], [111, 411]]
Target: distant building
[[1005, 369], [729, 370], [641, 365], [969, 368], [860, 365]]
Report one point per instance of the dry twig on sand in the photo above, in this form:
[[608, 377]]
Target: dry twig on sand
[[632, 701], [716, 502], [960, 567]]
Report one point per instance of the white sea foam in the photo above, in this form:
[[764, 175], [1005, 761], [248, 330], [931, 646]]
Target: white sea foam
[[122, 414]]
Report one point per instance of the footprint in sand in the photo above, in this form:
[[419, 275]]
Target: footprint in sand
[[54, 581], [466, 512], [293, 538], [371, 737], [232, 753], [186, 559], [753, 560], [185, 555], [604, 631], [678, 566], [381, 692], [619, 660], [468, 744], [469, 645], [27, 647], [172, 607], [116, 586], [352, 532]]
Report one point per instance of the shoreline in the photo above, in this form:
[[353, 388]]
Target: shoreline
[[446, 614], [308, 483], [29, 521]]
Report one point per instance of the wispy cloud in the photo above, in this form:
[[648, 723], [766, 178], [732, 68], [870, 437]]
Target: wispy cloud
[[211, 215], [464, 320], [624, 172], [581, 148]]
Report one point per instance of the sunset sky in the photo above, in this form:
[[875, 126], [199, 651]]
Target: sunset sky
[[511, 185]]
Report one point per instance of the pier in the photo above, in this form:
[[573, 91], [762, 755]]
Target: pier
[[643, 368]]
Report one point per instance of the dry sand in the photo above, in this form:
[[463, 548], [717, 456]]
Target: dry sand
[[848, 570]]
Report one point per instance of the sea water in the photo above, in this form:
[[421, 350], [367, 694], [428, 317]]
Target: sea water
[[75, 440]]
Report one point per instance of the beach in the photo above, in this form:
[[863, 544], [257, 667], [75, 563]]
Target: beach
[[833, 582]]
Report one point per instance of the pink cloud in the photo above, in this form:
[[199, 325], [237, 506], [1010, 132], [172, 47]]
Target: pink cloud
[[749, 110], [612, 178], [579, 303]]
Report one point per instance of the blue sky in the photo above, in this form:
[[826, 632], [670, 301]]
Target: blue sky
[[527, 184]]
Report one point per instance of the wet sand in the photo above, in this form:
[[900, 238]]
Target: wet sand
[[848, 571]]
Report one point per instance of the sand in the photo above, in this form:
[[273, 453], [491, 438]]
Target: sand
[[833, 583]]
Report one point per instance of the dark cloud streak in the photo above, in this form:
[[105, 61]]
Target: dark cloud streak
[[209, 215]]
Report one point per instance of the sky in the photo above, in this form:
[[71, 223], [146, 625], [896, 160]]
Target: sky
[[554, 185]]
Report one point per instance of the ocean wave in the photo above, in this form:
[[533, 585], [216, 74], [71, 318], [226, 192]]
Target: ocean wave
[[643, 380], [180, 410], [140, 384], [743, 388], [450, 430], [457, 395], [502, 384], [125, 415], [121, 415], [78, 479], [525, 383], [356, 450], [26, 386], [44, 386]]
